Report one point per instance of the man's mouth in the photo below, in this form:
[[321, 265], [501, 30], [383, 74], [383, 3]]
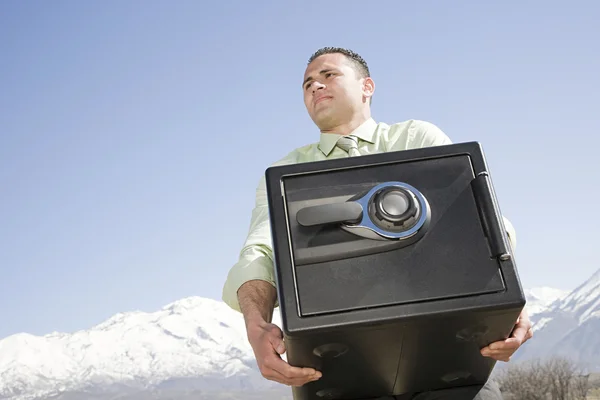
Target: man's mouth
[[318, 100]]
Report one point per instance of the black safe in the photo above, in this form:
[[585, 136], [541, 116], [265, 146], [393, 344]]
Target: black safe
[[393, 270]]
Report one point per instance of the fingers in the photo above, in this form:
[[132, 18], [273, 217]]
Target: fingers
[[529, 334], [522, 328], [268, 348], [274, 368], [519, 334], [503, 350], [277, 344], [278, 377]]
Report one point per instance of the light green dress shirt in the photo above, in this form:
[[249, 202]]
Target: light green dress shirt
[[256, 256]]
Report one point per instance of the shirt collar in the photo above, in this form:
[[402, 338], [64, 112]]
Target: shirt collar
[[366, 131]]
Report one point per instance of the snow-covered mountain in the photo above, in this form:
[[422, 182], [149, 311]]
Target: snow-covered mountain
[[197, 344], [539, 299], [569, 326], [194, 342]]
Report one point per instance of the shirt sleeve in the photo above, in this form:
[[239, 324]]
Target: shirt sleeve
[[511, 232], [426, 134], [415, 134], [255, 261]]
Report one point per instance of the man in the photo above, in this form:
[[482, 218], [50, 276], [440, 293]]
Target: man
[[337, 89]]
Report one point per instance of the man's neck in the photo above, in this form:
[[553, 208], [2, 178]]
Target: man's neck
[[347, 128]]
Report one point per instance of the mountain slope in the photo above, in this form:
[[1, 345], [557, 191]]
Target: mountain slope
[[198, 341], [583, 302], [570, 326], [197, 348], [539, 299]]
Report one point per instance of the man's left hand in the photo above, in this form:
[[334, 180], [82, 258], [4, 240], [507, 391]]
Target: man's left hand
[[504, 349]]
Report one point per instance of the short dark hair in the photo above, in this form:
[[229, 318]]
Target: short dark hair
[[359, 64]]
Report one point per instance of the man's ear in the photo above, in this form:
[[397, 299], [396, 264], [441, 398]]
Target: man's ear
[[368, 87]]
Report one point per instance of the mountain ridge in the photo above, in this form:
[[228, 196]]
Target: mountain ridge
[[200, 344], [569, 326], [190, 338]]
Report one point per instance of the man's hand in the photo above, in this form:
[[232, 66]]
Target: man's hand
[[257, 299], [266, 340], [504, 349]]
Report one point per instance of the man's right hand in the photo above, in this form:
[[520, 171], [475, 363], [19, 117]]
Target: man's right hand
[[266, 340]]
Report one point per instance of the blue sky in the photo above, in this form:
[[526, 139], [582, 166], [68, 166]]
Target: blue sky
[[116, 118]]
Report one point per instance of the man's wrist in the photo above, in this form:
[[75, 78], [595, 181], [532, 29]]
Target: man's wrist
[[257, 300], [255, 318]]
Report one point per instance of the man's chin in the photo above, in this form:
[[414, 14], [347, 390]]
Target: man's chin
[[326, 125], [323, 117]]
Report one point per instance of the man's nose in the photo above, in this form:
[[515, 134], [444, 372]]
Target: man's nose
[[316, 86]]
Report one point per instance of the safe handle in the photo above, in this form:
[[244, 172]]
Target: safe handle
[[346, 212]]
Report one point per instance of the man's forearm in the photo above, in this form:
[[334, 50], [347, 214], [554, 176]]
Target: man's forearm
[[257, 299]]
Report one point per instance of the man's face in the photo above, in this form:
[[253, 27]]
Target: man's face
[[333, 92]]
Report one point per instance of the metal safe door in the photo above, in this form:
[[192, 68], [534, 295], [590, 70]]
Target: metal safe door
[[392, 233]]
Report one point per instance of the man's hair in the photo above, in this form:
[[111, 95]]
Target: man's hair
[[359, 64]]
